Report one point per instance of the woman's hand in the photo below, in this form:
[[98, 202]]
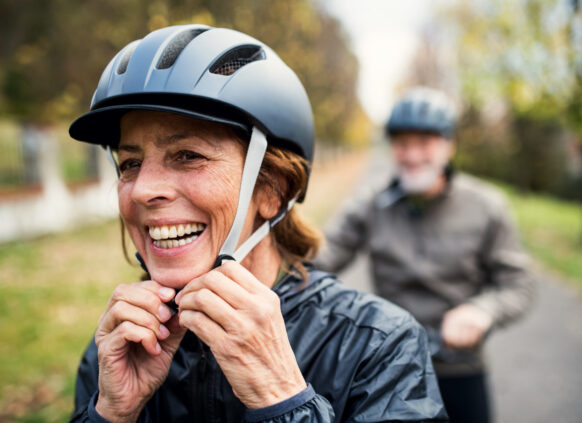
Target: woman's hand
[[240, 319], [136, 340], [465, 326]]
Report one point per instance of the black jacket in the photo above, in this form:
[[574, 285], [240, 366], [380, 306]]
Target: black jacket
[[365, 360]]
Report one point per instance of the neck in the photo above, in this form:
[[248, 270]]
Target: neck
[[264, 261]]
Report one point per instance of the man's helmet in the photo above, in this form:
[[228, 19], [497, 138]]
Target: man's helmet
[[423, 110], [216, 74]]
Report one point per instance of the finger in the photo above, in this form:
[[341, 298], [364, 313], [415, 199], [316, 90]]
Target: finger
[[243, 277], [177, 332], [165, 293], [461, 335], [128, 332], [227, 289], [213, 306], [122, 311], [210, 332], [449, 332], [473, 335], [144, 295]]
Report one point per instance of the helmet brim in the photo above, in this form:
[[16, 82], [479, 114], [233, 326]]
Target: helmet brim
[[102, 125]]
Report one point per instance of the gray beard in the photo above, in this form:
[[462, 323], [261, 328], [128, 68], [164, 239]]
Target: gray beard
[[419, 182]]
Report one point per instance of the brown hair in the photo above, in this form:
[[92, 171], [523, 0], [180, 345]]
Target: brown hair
[[285, 174]]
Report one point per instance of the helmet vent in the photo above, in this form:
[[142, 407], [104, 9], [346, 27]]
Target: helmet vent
[[122, 67], [175, 47], [235, 59]]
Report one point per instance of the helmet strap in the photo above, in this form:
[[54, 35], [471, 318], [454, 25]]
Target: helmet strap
[[112, 160], [253, 162], [262, 232]]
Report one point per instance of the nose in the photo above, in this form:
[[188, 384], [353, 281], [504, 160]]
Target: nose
[[409, 152], [153, 185]]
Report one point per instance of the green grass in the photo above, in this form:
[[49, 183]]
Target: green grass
[[551, 230], [52, 291]]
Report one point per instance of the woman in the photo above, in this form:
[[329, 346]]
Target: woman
[[213, 138]]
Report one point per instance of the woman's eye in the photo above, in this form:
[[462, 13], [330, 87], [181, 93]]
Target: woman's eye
[[186, 155], [129, 164]]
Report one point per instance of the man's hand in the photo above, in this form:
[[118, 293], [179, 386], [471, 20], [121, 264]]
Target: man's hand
[[465, 326]]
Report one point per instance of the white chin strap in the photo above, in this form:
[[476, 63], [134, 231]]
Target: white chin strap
[[112, 160], [253, 162]]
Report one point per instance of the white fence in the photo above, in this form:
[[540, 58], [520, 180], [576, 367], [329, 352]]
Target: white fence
[[56, 207]]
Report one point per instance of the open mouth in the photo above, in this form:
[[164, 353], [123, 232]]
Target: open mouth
[[173, 236]]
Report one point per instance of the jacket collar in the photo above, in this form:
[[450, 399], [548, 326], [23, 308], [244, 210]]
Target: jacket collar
[[293, 290]]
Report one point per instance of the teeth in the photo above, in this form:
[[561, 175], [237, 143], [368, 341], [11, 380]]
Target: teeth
[[167, 232], [173, 243]]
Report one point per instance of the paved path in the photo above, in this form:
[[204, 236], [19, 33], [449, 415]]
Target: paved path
[[536, 364]]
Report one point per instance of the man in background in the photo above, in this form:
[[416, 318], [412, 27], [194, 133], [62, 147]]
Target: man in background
[[441, 245]]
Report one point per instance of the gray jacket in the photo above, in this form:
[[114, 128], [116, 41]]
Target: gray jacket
[[461, 247]]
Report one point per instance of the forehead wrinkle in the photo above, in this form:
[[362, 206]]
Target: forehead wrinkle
[[130, 148], [162, 141], [167, 140]]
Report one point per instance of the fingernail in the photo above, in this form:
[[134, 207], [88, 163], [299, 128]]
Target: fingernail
[[166, 292], [158, 348], [164, 332], [164, 312]]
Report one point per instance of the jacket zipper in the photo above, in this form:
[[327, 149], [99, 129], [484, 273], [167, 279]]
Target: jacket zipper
[[200, 401]]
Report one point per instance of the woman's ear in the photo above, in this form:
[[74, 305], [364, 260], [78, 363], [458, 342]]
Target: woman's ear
[[268, 203], [268, 200]]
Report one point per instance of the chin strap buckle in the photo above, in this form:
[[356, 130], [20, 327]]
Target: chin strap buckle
[[221, 259]]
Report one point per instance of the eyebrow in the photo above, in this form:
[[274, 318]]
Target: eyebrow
[[130, 148], [165, 141]]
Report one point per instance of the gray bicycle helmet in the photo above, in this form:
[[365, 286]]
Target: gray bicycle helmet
[[423, 109], [215, 74]]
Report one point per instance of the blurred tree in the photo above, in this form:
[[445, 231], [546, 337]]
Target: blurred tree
[[520, 72], [52, 52]]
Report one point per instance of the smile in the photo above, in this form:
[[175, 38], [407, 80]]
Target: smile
[[173, 236]]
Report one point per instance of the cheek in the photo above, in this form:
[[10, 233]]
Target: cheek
[[126, 208], [128, 213], [216, 191], [441, 154]]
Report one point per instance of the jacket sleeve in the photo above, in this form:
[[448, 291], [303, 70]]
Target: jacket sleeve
[[346, 234], [86, 385], [306, 406], [509, 285], [397, 383]]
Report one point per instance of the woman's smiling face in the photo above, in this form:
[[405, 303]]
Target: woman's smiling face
[[178, 191]]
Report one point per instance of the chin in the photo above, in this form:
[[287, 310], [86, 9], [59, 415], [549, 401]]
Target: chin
[[176, 278], [418, 181]]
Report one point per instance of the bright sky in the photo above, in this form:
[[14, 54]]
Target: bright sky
[[384, 36]]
